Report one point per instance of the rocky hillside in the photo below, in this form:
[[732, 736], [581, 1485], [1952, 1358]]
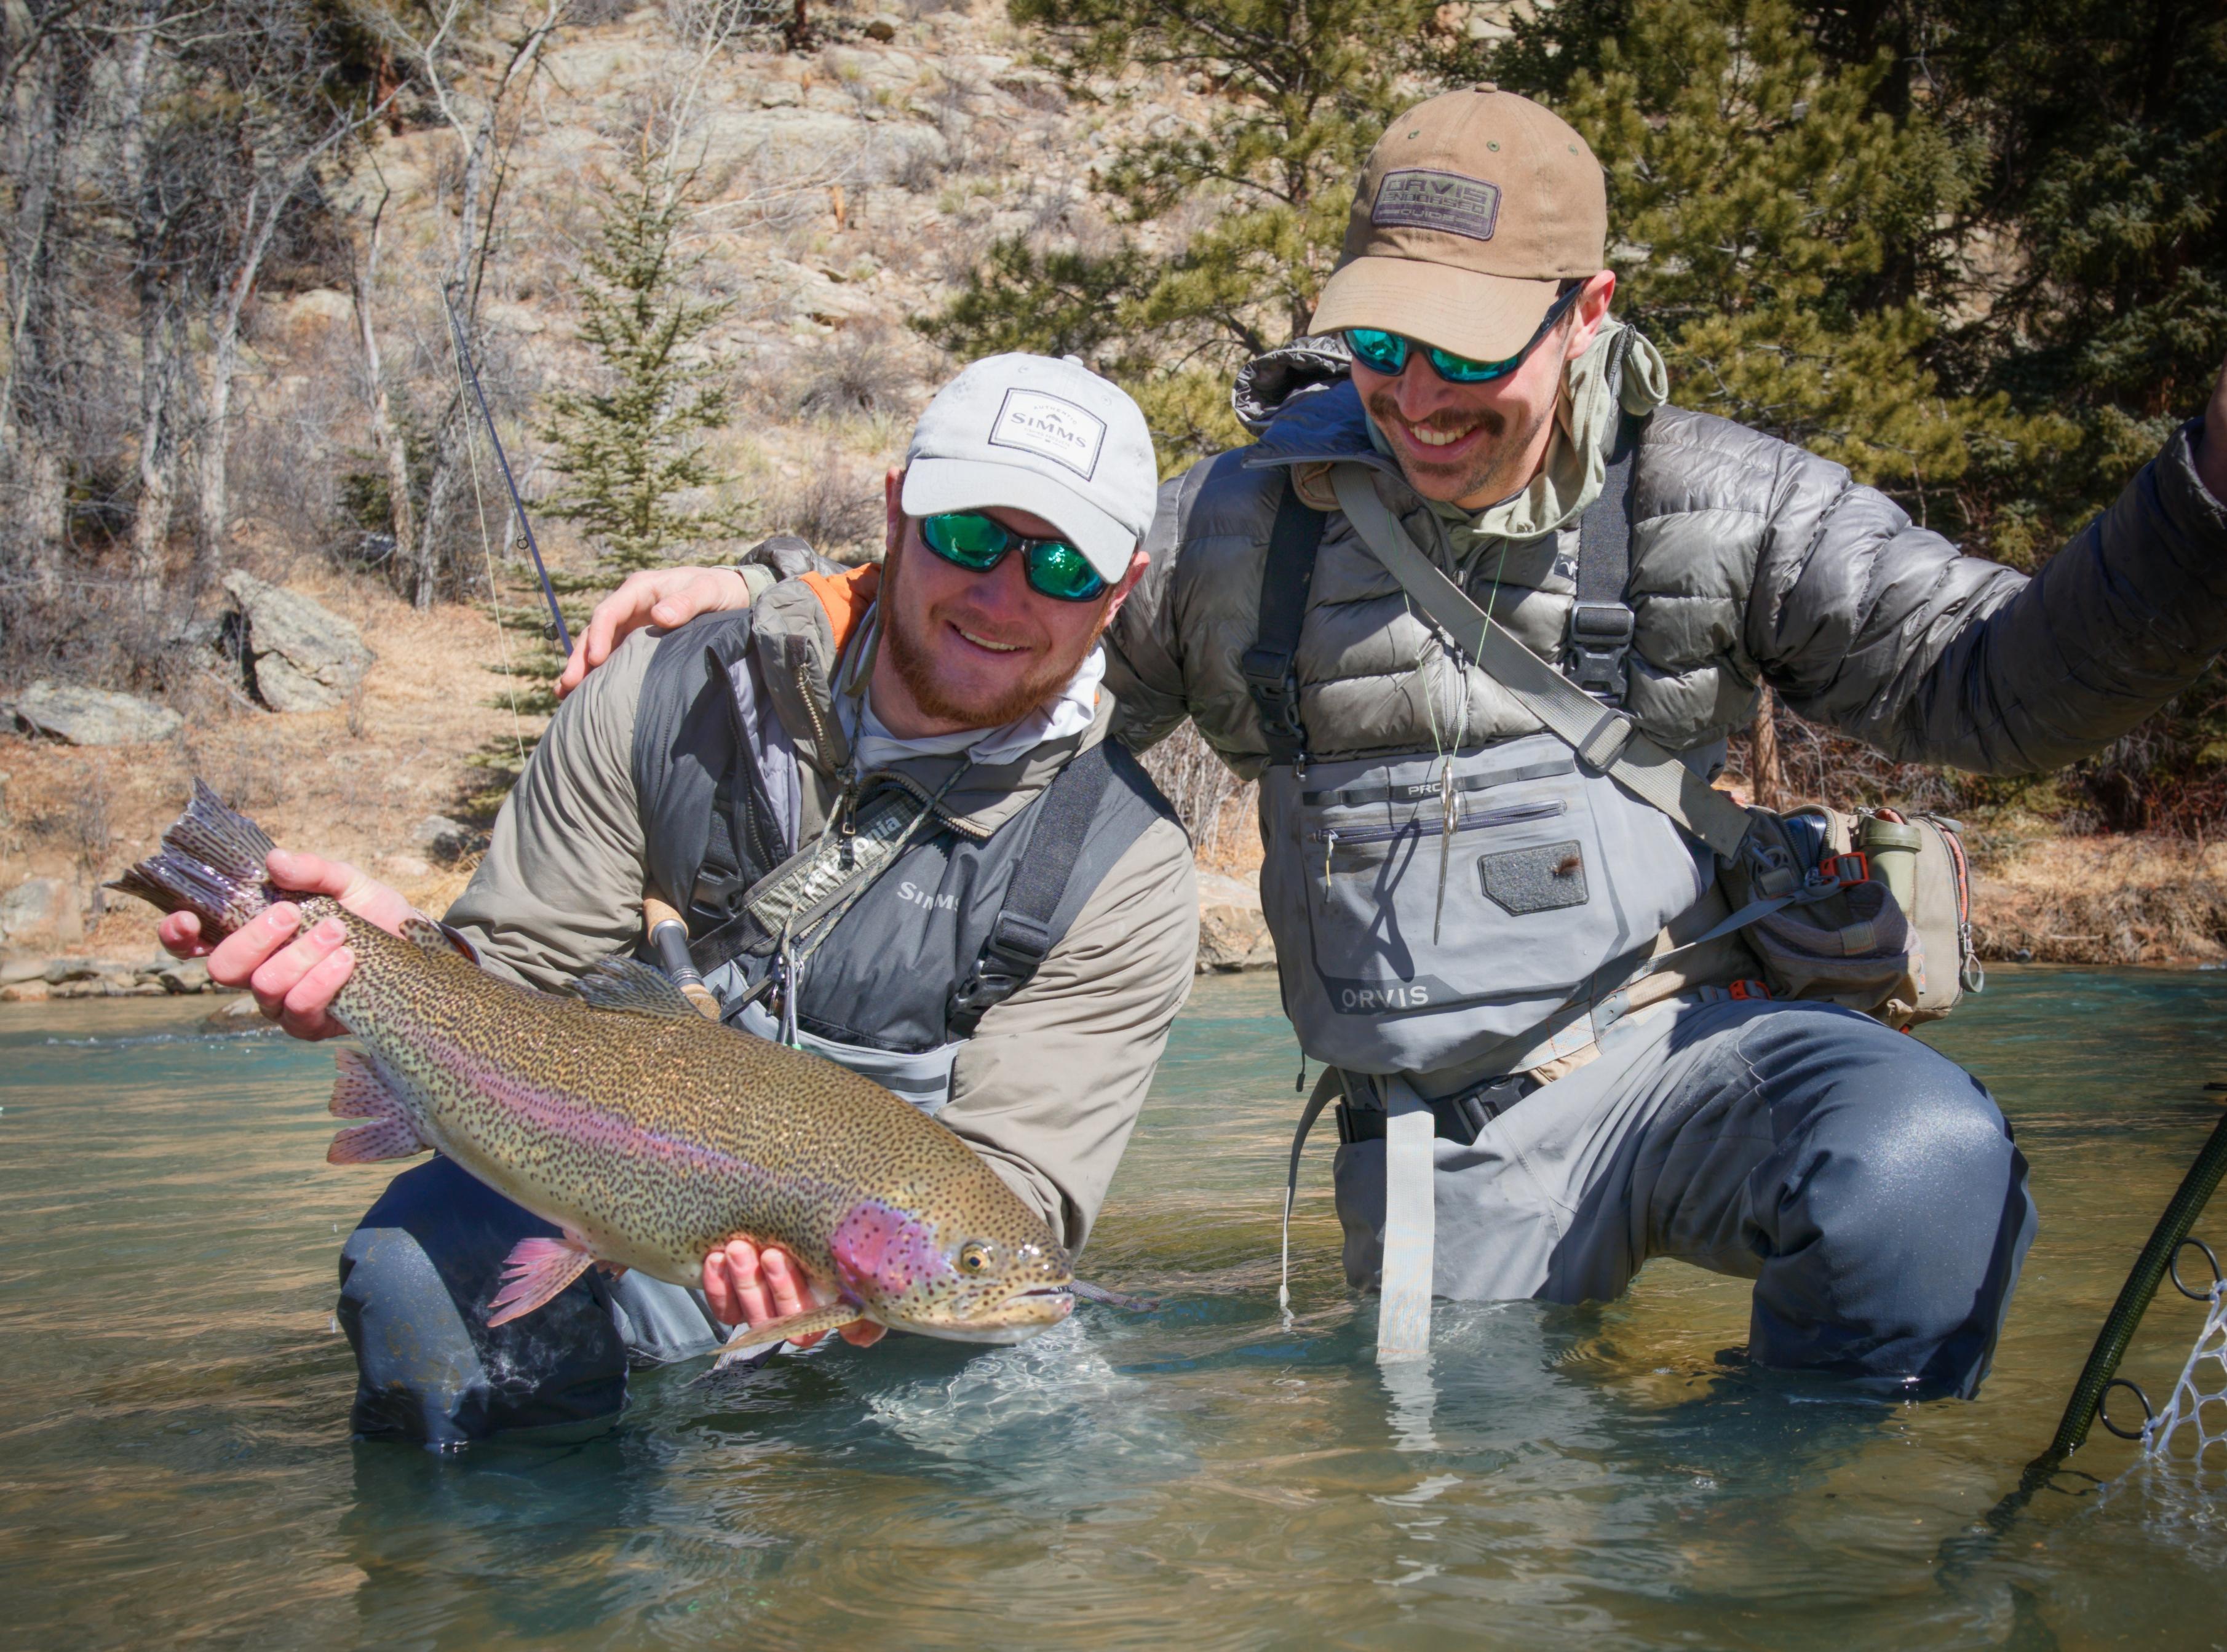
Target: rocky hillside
[[840, 191]]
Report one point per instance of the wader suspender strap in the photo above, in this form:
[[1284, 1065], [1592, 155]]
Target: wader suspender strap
[[1601, 623], [1021, 936], [1606, 740], [1268, 667]]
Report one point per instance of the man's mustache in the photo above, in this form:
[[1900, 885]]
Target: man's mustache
[[1385, 410]]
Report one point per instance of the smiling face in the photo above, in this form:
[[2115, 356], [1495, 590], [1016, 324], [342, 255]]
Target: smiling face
[[966, 650], [1475, 445]]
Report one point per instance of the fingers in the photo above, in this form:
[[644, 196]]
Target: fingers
[[706, 591], [239, 954], [302, 874], [863, 1333], [180, 935], [664, 596], [747, 1286], [295, 985], [625, 609], [735, 1285], [358, 891]]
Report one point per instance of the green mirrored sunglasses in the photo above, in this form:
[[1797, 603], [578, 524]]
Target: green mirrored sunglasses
[[968, 539], [1388, 353]]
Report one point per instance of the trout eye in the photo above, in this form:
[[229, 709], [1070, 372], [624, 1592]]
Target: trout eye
[[974, 1257]]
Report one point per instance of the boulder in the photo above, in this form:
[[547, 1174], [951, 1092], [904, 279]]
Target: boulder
[[448, 840], [297, 655], [182, 975], [1232, 931], [41, 909], [92, 717]]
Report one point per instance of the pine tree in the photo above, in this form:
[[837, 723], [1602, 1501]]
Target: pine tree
[[1767, 221], [1303, 88], [628, 451]]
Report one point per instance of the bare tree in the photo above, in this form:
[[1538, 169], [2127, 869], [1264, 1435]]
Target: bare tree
[[402, 508], [295, 115], [46, 86], [479, 112]]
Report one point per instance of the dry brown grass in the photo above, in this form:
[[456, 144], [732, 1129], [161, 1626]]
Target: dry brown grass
[[2147, 900], [351, 782]]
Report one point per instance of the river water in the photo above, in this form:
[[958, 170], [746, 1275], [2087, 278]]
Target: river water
[[175, 1467]]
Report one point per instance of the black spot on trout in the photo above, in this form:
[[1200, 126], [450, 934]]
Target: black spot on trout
[[649, 1134]]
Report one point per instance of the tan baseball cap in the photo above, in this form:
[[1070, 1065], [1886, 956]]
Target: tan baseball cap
[[1474, 208]]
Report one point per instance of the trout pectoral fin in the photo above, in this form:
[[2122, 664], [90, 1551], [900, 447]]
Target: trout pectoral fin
[[536, 1270], [359, 1092], [782, 1330]]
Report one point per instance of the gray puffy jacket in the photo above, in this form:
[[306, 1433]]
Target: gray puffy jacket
[[1752, 561]]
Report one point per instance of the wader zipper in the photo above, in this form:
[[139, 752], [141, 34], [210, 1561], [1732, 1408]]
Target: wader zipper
[[1544, 809]]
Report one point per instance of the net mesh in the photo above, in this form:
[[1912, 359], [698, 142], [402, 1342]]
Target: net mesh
[[2193, 1424]]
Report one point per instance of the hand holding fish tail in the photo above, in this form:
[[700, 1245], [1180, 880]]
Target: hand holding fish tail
[[748, 1285], [293, 973]]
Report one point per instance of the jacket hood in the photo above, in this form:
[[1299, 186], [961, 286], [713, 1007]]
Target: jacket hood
[[1271, 385]]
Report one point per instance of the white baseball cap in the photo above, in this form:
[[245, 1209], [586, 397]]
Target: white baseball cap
[[1041, 435]]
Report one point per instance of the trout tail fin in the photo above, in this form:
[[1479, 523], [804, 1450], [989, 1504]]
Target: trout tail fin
[[210, 865]]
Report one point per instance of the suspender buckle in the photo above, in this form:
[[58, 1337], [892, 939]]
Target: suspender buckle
[[1016, 949], [1600, 636], [1454, 1118], [1275, 685], [1605, 740]]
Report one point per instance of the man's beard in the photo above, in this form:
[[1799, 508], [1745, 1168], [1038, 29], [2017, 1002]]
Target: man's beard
[[914, 656], [1505, 447]]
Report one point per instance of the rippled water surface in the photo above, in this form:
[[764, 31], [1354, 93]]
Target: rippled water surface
[[175, 1467]]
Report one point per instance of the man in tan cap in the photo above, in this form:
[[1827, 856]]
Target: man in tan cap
[[1534, 948]]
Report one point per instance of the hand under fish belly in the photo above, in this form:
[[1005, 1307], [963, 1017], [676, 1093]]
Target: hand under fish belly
[[648, 1135]]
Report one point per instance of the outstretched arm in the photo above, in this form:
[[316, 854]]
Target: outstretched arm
[[1867, 622]]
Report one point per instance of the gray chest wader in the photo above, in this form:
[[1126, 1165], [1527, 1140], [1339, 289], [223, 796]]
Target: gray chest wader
[[902, 931], [1465, 912]]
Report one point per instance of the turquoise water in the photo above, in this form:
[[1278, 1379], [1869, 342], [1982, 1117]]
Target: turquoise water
[[174, 1469]]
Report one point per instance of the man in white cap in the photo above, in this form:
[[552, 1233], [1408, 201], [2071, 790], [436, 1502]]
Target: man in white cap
[[882, 803], [1513, 920]]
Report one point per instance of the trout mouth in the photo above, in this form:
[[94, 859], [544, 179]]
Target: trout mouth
[[1014, 1318]]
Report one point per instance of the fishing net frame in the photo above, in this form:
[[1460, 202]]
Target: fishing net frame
[[2191, 1403]]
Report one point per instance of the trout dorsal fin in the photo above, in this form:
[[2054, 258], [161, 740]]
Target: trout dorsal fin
[[633, 987]]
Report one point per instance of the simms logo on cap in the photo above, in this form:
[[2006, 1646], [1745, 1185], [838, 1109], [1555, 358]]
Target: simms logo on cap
[[1051, 428], [1439, 201]]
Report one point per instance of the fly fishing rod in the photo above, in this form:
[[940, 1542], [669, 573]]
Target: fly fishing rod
[[2098, 1376], [556, 630]]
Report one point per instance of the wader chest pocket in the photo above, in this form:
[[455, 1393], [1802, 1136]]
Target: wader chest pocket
[[1428, 944], [1357, 848]]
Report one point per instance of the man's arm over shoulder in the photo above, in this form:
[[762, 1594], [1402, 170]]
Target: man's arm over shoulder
[[1867, 622], [1144, 655], [1050, 1085], [562, 883]]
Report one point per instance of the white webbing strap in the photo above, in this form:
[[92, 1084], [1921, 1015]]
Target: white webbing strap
[[1329, 1087], [1606, 740], [1403, 1320], [1403, 1312]]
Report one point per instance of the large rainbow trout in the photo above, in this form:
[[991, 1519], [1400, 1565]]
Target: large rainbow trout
[[647, 1133]]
